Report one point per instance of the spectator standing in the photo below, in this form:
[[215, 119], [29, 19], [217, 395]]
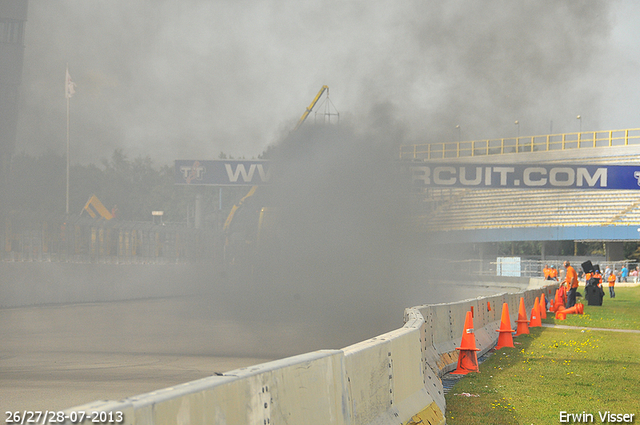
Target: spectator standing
[[624, 273], [607, 272], [571, 279], [612, 284]]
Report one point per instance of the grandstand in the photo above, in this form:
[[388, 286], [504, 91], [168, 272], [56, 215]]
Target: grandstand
[[464, 215], [513, 208]]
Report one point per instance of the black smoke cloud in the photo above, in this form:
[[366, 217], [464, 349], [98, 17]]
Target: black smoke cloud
[[176, 80], [335, 246], [189, 79]]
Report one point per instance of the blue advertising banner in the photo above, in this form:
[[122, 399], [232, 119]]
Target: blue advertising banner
[[222, 172], [480, 176], [525, 176]]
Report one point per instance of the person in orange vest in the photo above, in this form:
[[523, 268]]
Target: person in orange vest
[[587, 277], [598, 276], [553, 273], [612, 284], [546, 271], [571, 279]]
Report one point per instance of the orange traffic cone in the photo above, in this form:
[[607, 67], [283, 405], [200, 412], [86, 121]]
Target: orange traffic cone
[[467, 356], [505, 339], [522, 321], [576, 309], [535, 321], [561, 299], [552, 305], [543, 307], [558, 301], [563, 296]]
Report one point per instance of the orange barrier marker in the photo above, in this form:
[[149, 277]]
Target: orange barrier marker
[[576, 309], [563, 296], [555, 302], [505, 339], [535, 321], [559, 311], [522, 321], [558, 301], [467, 356], [488, 306], [543, 307]]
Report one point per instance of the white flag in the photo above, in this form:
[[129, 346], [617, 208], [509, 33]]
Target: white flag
[[69, 86]]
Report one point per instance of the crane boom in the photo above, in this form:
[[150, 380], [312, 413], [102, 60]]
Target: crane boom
[[230, 217], [313, 103]]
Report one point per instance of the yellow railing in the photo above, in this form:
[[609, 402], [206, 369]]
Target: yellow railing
[[549, 142]]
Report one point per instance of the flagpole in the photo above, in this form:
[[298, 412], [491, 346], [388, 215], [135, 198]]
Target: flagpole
[[69, 90], [67, 149]]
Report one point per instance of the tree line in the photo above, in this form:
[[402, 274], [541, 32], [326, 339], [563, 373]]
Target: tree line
[[36, 187]]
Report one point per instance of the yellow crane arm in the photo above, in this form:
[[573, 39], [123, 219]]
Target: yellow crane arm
[[313, 103], [235, 208]]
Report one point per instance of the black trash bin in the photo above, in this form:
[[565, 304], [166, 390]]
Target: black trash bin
[[593, 292], [587, 267]]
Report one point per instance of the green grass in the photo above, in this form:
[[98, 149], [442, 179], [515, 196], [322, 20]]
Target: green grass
[[553, 370], [621, 312]]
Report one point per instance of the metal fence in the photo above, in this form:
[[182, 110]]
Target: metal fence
[[528, 267], [83, 239], [548, 142]]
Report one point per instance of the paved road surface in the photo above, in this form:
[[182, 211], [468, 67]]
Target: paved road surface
[[60, 356], [54, 357]]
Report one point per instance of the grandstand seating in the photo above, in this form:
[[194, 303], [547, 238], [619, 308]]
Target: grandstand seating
[[467, 209], [511, 208]]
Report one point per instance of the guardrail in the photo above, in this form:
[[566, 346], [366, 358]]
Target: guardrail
[[549, 142], [390, 379], [87, 240]]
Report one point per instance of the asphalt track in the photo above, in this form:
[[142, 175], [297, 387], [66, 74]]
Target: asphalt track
[[58, 356]]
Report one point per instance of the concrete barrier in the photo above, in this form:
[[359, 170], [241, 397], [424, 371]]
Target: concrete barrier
[[267, 393], [393, 378]]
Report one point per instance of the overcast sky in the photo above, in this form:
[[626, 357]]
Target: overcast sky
[[188, 79]]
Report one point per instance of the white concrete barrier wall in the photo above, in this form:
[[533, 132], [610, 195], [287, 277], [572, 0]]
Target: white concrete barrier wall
[[390, 379], [267, 393]]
